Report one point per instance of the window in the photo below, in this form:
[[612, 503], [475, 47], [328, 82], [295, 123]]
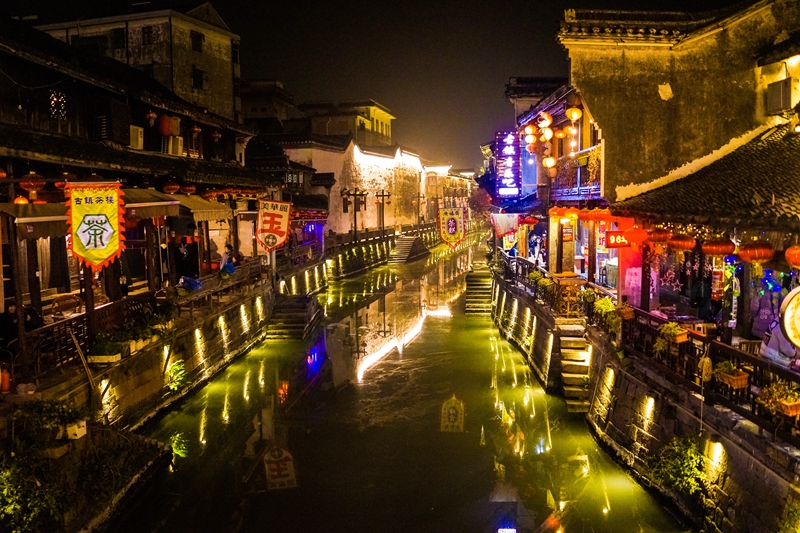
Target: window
[[147, 35], [197, 40], [235, 53], [58, 105], [198, 78], [117, 38]]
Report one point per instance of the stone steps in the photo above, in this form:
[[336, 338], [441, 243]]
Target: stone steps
[[575, 367], [570, 354], [572, 379], [579, 393], [577, 406]]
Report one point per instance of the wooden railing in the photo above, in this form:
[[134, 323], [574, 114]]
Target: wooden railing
[[562, 297]]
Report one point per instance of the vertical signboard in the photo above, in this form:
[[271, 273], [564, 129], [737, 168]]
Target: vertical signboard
[[508, 164], [273, 223], [280, 469], [452, 226], [95, 215]]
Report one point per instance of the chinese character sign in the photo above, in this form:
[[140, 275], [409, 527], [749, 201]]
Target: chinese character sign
[[452, 226], [95, 215], [273, 223], [280, 469], [508, 164], [452, 416]]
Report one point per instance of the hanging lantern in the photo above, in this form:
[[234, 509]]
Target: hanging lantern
[[165, 125], [681, 243], [531, 221], [233, 191], [195, 130], [33, 182], [549, 162], [531, 148], [545, 119], [572, 212], [557, 211], [20, 200], [793, 256], [528, 130], [559, 134], [597, 215], [530, 139], [572, 130], [718, 247], [188, 188], [756, 252], [547, 133], [210, 194], [635, 235], [659, 235], [3, 174], [170, 187], [573, 113], [159, 222], [216, 135], [131, 222], [151, 117], [413, 202]]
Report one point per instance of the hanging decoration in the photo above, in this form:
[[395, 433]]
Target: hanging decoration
[[210, 194], [165, 125], [20, 200], [273, 223], [718, 247], [529, 220], [188, 188], [452, 226], [659, 238], [635, 235], [151, 117], [32, 183], [671, 279], [504, 224], [793, 256], [216, 135], [170, 187], [96, 216], [756, 252], [3, 174]]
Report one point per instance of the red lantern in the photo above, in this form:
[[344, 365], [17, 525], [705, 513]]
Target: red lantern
[[131, 222], [572, 212], [718, 247], [165, 125], [681, 243], [151, 117], [159, 221], [216, 135], [187, 188], [170, 187], [20, 200], [557, 211], [531, 221], [33, 182], [756, 252], [3, 174], [195, 130], [233, 191], [413, 202], [209, 194], [793, 256], [659, 235], [635, 235]]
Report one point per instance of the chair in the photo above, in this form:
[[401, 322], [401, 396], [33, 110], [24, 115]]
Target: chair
[[68, 303]]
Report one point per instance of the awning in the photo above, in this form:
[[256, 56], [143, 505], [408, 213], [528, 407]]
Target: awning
[[200, 209], [149, 203], [35, 221]]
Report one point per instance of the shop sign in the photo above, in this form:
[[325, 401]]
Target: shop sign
[[452, 226], [280, 469], [616, 239], [567, 233], [273, 223], [508, 164], [95, 215], [717, 284], [601, 237], [790, 317]]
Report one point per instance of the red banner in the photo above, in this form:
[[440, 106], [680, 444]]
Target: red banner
[[273, 223]]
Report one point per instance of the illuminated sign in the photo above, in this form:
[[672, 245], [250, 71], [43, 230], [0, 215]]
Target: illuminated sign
[[508, 164], [616, 239], [790, 317], [506, 530]]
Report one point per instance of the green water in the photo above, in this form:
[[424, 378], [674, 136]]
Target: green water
[[359, 407]]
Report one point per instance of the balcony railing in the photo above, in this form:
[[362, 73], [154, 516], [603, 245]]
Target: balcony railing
[[578, 175], [561, 294]]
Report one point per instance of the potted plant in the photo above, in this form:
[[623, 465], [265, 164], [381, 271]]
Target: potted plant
[[535, 277], [605, 308], [105, 349], [52, 419], [779, 396], [625, 312], [588, 296], [727, 372], [546, 287], [673, 332]]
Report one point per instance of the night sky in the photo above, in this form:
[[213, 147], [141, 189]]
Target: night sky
[[439, 66]]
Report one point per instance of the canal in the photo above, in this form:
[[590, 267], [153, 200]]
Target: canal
[[358, 406]]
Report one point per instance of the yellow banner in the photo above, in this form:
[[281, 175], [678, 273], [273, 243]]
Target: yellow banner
[[452, 226], [273, 223], [96, 216], [452, 418]]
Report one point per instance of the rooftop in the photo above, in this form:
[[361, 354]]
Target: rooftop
[[754, 186]]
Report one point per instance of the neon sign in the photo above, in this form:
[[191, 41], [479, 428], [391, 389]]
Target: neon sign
[[616, 239], [508, 164]]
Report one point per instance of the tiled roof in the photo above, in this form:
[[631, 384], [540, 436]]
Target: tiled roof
[[25, 143], [21, 40], [553, 104], [645, 27], [780, 51], [755, 186]]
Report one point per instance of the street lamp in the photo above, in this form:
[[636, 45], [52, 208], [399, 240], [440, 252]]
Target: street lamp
[[384, 199], [359, 199]]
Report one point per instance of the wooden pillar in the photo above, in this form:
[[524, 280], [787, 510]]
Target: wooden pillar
[[34, 287], [88, 284], [234, 226], [207, 240], [592, 277], [201, 248], [645, 277], [16, 273], [151, 255], [560, 248]]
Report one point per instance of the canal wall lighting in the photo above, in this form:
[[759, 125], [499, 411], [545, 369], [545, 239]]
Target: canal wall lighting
[[226, 415], [246, 392], [245, 318], [200, 345]]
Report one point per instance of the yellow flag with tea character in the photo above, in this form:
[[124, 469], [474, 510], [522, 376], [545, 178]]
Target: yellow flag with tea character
[[452, 224], [95, 215], [452, 420]]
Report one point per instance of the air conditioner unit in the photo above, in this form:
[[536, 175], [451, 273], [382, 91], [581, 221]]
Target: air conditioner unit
[[780, 96], [137, 138], [175, 145]]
